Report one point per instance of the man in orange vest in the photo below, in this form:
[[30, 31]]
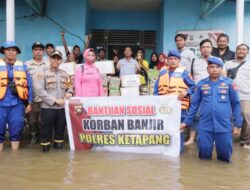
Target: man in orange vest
[[176, 81], [15, 93]]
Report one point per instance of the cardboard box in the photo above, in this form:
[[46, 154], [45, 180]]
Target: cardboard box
[[69, 68], [114, 92], [130, 80], [151, 86], [151, 90], [114, 83], [144, 90], [104, 80], [152, 74], [105, 67], [130, 91]]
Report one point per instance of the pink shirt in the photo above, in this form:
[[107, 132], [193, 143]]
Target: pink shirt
[[88, 83]]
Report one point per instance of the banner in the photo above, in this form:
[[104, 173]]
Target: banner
[[145, 124], [194, 37]]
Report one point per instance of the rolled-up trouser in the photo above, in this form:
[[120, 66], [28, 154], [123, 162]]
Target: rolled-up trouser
[[52, 120], [245, 130], [223, 144], [34, 117], [14, 117]]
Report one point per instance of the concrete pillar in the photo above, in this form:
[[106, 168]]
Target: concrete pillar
[[240, 21], [10, 20]]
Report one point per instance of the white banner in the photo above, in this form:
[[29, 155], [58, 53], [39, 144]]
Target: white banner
[[145, 124]]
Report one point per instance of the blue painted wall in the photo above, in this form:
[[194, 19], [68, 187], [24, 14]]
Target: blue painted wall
[[43, 30], [177, 17], [160, 38], [88, 18]]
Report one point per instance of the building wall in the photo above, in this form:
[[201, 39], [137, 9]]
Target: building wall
[[88, 18], [124, 20], [160, 38], [41, 29], [127, 20], [77, 17], [177, 17]]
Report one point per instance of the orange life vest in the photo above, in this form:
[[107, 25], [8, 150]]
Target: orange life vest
[[174, 85], [19, 77]]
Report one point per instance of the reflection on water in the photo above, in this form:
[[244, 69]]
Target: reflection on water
[[31, 169]]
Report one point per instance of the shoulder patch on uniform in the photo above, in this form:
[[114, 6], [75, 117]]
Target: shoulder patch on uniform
[[234, 86], [205, 87], [223, 86]]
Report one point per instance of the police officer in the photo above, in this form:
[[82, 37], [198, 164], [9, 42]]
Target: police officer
[[35, 65], [15, 93], [53, 87], [176, 81], [217, 98]]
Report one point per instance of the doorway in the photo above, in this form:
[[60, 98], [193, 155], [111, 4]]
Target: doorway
[[119, 39]]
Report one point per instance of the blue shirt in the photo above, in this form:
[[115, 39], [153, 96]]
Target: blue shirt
[[11, 100], [217, 102]]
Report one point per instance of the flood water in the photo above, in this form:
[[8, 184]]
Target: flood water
[[29, 168]]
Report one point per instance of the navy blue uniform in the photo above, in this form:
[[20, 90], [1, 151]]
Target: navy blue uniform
[[217, 101]]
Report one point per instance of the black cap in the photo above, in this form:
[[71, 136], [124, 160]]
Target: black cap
[[56, 53], [37, 44], [49, 45]]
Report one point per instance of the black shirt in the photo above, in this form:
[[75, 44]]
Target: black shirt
[[227, 56]]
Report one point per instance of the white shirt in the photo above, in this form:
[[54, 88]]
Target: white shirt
[[242, 78], [128, 66], [199, 69], [187, 57]]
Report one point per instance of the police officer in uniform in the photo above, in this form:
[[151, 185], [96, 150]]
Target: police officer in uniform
[[176, 81], [15, 94], [35, 65], [217, 98], [53, 86]]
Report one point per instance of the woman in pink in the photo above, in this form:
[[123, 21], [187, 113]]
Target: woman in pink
[[88, 82]]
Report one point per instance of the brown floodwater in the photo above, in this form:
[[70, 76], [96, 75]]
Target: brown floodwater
[[29, 168]]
